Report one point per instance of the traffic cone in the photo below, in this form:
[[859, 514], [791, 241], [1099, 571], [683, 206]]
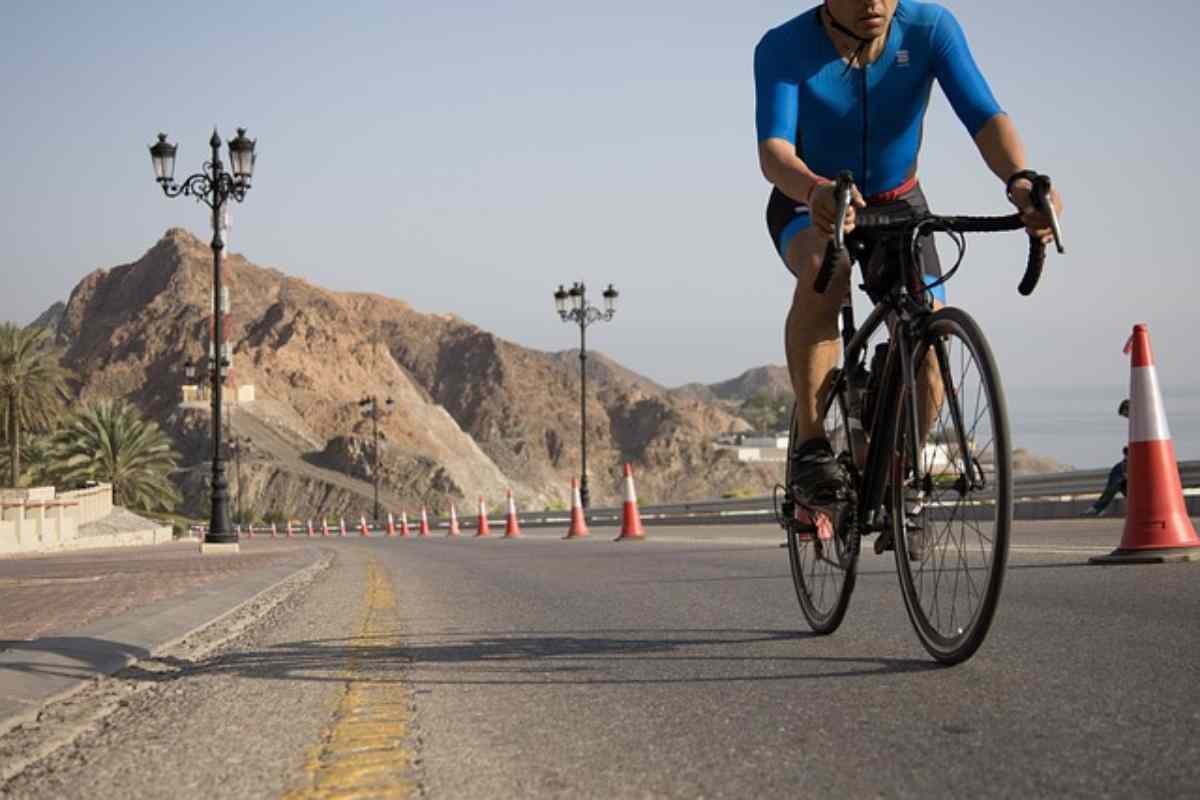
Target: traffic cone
[[363, 526], [454, 529], [342, 525], [579, 528], [404, 530], [424, 530], [631, 524], [512, 526], [1157, 528], [391, 525], [483, 529]]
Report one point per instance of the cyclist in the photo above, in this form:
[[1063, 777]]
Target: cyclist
[[845, 86]]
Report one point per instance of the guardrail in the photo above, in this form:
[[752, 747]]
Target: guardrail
[[756, 510]]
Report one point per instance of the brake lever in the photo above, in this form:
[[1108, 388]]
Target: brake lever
[[1043, 201], [842, 192]]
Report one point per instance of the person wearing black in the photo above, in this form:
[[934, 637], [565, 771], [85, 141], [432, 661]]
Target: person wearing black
[[1116, 476]]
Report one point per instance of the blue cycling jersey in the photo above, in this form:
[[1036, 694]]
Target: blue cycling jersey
[[868, 121]]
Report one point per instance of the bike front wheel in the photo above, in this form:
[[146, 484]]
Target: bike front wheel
[[951, 498]]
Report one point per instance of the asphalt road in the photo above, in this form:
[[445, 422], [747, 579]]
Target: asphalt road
[[679, 667]]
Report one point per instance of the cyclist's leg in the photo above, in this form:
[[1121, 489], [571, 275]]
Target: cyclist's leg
[[811, 332], [930, 390]]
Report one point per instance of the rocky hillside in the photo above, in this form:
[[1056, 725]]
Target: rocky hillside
[[474, 413], [51, 318], [771, 379]]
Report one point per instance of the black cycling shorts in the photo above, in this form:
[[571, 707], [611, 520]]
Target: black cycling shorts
[[786, 218]]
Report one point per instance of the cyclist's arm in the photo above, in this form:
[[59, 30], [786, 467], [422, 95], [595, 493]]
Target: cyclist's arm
[[777, 111], [1001, 147], [777, 117], [782, 167], [993, 131]]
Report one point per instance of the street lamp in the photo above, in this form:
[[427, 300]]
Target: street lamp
[[370, 409], [583, 315], [237, 445], [213, 187]]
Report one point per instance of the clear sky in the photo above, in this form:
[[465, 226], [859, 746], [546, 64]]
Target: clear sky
[[468, 157]]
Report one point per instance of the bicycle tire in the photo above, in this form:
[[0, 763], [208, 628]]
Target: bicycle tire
[[823, 586], [954, 495]]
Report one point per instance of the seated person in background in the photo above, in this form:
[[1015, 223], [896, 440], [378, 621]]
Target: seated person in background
[[1116, 476]]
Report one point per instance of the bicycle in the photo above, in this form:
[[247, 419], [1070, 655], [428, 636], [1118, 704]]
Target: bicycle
[[934, 478]]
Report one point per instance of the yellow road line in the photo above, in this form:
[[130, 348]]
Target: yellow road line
[[362, 751]]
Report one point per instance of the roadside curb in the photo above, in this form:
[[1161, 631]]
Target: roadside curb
[[51, 669]]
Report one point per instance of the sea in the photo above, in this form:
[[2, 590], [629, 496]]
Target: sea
[[1079, 426]]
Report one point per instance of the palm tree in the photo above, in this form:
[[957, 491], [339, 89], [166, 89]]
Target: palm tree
[[110, 442], [35, 460], [32, 387]]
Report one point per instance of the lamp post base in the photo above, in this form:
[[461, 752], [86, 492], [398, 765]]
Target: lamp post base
[[220, 549]]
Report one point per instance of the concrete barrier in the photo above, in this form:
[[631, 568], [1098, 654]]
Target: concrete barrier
[[37, 520]]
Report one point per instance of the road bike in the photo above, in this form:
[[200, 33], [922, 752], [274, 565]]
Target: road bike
[[922, 432]]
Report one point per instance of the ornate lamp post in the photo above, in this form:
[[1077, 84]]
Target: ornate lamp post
[[371, 410], [213, 187], [238, 445], [583, 315]]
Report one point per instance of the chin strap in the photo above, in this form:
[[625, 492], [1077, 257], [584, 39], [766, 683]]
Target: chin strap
[[863, 44]]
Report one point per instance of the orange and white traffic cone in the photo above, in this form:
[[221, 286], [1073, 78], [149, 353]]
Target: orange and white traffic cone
[[362, 527], [404, 529], [631, 524], [391, 525], [483, 528], [1157, 527], [424, 530], [579, 528], [342, 525], [454, 529], [512, 525]]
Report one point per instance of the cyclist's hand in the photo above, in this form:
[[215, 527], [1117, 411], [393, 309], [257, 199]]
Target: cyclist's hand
[[1036, 222], [824, 208]]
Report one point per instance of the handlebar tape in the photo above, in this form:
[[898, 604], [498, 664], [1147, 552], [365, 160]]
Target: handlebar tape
[[1033, 272], [827, 265]]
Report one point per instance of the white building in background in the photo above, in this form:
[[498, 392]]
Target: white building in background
[[937, 456], [755, 448]]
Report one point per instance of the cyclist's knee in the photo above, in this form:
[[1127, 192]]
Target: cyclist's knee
[[804, 257]]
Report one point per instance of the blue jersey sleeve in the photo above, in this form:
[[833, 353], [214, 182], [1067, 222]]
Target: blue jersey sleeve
[[959, 75], [778, 98]]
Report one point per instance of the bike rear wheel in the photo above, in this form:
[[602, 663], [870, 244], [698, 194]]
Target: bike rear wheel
[[824, 561], [952, 527]]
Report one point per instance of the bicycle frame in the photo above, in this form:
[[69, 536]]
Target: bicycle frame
[[905, 317]]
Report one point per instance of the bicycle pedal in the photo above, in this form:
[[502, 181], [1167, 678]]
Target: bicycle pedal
[[884, 542]]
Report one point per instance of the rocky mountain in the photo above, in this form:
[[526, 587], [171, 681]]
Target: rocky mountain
[[772, 379], [51, 319], [474, 413]]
